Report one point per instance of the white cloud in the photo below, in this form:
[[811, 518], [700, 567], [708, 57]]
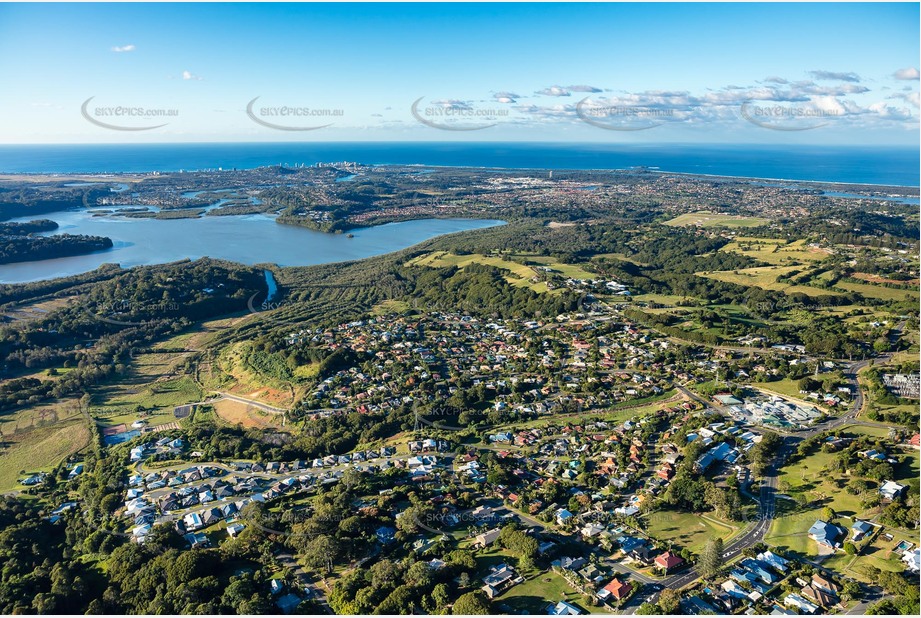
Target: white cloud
[[188, 75], [506, 97], [123, 48], [584, 88], [907, 73], [912, 98], [554, 91], [833, 75], [453, 104]]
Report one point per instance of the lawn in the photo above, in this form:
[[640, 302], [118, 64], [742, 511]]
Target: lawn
[[879, 554], [687, 530], [533, 596], [709, 219], [788, 530], [810, 477]]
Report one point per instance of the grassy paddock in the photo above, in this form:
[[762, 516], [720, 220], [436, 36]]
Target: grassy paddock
[[687, 530], [709, 219], [40, 449]]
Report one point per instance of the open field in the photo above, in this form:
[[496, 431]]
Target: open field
[[390, 306], [40, 448], [31, 418], [765, 277], [156, 400], [709, 219], [662, 299], [32, 311], [761, 276], [235, 412], [687, 530], [868, 290], [519, 274], [619, 256], [776, 251], [877, 279], [573, 271]]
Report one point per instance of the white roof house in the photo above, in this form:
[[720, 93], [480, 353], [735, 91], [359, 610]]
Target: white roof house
[[912, 560], [891, 490]]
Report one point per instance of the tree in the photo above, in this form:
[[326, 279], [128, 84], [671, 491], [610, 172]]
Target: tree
[[400, 601], [669, 601], [711, 558], [472, 603], [440, 595], [850, 588], [320, 552], [647, 609]]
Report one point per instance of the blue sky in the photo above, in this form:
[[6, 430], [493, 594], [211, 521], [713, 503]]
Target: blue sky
[[725, 73]]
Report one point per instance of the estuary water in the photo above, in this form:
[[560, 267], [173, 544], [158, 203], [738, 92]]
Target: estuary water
[[247, 239]]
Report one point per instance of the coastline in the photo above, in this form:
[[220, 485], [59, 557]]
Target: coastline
[[837, 164]]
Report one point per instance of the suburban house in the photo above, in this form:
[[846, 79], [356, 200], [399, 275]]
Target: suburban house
[[818, 596], [615, 589], [795, 600], [912, 560], [890, 490], [563, 609], [487, 538], [563, 516], [824, 533], [860, 529], [824, 584], [500, 577], [570, 564], [668, 561]]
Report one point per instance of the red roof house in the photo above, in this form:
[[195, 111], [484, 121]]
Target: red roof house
[[618, 589], [668, 561]]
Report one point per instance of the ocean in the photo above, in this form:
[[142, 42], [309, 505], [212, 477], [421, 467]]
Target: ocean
[[859, 165]]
